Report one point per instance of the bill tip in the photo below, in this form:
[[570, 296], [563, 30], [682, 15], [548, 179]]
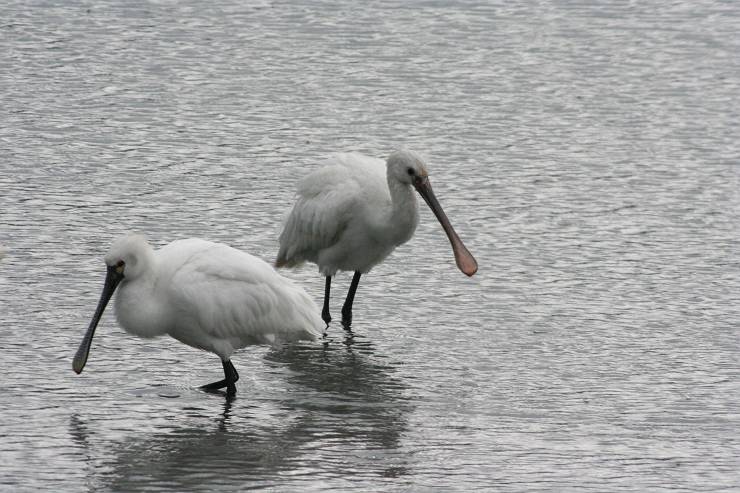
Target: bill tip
[[468, 265]]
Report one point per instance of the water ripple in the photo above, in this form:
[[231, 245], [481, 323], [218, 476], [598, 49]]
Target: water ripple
[[586, 153]]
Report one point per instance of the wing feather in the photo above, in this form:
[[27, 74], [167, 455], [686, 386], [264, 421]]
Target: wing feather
[[231, 298], [326, 201]]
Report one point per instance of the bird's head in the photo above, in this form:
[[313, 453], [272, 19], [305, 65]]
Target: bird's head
[[407, 167], [127, 256]]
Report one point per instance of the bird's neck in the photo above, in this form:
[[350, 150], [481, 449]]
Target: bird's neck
[[137, 309], [404, 211]]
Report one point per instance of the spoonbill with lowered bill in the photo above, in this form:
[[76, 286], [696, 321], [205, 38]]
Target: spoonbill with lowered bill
[[206, 295], [352, 213]]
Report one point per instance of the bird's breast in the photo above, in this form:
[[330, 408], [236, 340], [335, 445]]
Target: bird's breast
[[139, 312]]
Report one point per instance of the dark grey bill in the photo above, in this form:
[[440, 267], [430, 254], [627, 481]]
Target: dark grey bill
[[112, 278]]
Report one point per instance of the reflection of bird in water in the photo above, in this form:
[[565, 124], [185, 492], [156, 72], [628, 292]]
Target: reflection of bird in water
[[193, 455], [334, 402], [345, 381]]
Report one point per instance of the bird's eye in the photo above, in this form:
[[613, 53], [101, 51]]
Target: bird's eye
[[410, 171], [120, 263]]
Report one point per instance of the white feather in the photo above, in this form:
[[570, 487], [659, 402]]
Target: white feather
[[349, 215], [209, 296]]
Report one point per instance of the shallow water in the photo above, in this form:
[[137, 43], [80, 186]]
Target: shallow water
[[587, 154]]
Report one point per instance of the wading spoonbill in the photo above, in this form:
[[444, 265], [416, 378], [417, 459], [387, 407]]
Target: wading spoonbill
[[352, 213], [206, 295]]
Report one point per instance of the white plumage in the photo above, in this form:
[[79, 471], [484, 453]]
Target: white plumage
[[346, 217], [353, 212], [207, 295]]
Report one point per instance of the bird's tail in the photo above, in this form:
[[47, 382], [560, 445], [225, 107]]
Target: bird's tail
[[308, 324], [283, 261]]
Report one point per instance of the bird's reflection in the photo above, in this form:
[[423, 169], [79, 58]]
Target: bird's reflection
[[336, 400], [347, 382]]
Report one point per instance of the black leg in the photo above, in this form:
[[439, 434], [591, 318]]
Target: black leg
[[347, 308], [325, 312], [230, 378]]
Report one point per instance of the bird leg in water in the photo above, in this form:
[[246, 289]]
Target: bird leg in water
[[230, 378], [325, 312], [347, 308]]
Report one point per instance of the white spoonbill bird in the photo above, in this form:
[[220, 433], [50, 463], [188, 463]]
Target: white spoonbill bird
[[206, 295], [352, 213]]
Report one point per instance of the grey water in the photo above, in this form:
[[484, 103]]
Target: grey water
[[586, 152]]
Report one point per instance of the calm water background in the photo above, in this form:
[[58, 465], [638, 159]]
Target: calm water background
[[587, 153]]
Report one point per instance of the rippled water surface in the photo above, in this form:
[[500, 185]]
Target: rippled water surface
[[587, 153]]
